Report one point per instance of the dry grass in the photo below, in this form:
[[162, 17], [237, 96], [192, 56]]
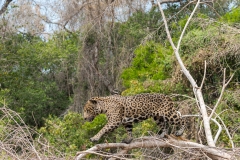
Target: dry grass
[[19, 141], [221, 50]]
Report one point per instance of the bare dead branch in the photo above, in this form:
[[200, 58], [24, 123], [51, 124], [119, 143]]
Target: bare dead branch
[[152, 142], [225, 128], [196, 89], [230, 137], [219, 130], [222, 91]]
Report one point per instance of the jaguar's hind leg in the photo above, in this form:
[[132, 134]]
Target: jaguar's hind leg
[[163, 125], [128, 126], [177, 120]]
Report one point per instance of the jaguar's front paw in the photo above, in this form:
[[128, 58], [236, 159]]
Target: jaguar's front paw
[[179, 133], [162, 135]]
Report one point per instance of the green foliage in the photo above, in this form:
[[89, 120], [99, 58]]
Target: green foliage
[[70, 134], [35, 75], [35, 72], [152, 63], [232, 17], [145, 128]]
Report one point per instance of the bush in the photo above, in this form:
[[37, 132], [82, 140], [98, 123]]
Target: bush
[[70, 134], [232, 17], [152, 63]]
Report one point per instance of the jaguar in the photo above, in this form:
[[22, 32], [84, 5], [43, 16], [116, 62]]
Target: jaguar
[[126, 110]]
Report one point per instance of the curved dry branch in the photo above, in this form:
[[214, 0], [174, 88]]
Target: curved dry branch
[[153, 142]]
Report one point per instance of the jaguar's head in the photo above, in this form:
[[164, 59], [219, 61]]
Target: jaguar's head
[[90, 109]]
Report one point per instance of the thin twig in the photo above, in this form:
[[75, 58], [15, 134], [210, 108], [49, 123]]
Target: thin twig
[[229, 136], [17, 134], [222, 91], [219, 130], [204, 75], [186, 25], [214, 120]]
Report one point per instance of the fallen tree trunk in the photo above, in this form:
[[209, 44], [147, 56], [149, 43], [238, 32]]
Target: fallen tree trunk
[[153, 142]]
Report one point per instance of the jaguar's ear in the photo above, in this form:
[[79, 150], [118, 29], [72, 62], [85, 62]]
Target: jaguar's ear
[[93, 100]]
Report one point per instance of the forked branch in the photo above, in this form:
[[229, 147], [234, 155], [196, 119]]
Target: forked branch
[[224, 85], [197, 90]]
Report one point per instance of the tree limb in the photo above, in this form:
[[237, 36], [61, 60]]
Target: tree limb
[[5, 5], [152, 142], [196, 89]]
